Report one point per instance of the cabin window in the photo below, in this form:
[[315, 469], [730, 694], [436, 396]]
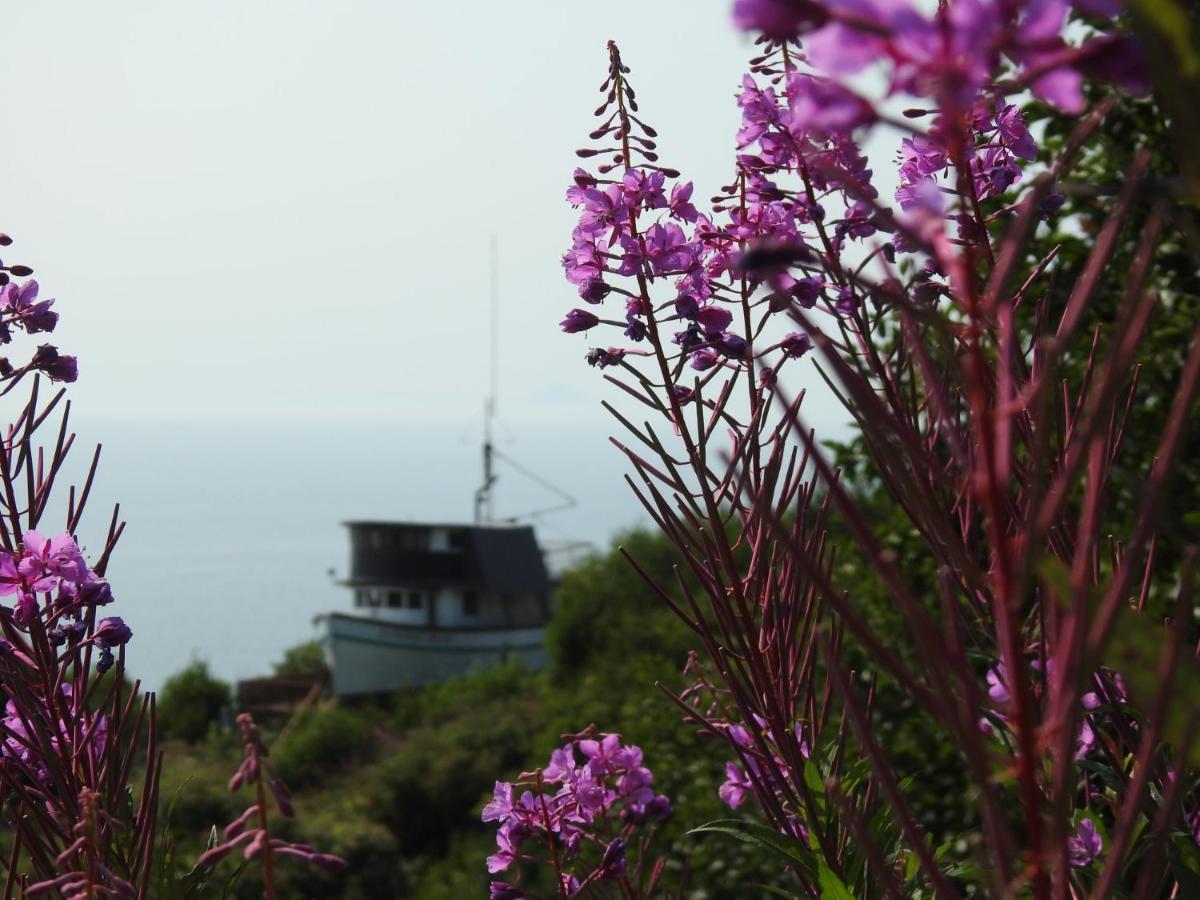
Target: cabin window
[[373, 598], [395, 599], [415, 600], [470, 603], [360, 597], [377, 539]]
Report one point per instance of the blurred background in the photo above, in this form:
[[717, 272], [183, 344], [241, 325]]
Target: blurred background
[[267, 226]]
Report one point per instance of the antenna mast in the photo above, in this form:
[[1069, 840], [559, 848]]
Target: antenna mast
[[483, 496]]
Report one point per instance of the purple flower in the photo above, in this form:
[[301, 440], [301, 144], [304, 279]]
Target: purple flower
[[1101, 8], [584, 262], [498, 890], [779, 19], [1086, 845], [112, 632], [846, 303], [602, 358], [1086, 741], [578, 320], [506, 853], [47, 559], [1010, 125], [732, 345], [921, 155], [602, 754], [997, 687], [594, 290], [21, 302], [613, 862], [59, 368], [561, 766], [94, 591], [684, 395], [658, 809], [582, 181], [733, 792], [795, 345], [680, 203], [690, 338], [668, 249], [806, 291], [634, 785], [67, 632], [817, 106], [603, 210], [714, 319], [643, 190], [1061, 87], [10, 578], [500, 807], [1119, 59], [760, 110], [635, 328], [704, 359]]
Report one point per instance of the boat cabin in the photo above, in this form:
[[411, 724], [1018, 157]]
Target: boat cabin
[[430, 601]]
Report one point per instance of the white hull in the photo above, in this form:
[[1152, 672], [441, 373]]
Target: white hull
[[370, 655]]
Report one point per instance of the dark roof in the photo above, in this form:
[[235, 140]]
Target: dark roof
[[509, 560], [504, 559]]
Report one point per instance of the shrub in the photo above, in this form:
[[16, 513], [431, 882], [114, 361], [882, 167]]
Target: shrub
[[191, 702], [322, 741], [303, 659]]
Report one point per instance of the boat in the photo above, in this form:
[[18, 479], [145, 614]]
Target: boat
[[432, 601]]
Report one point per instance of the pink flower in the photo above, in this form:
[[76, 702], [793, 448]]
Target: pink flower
[[733, 792], [47, 559]]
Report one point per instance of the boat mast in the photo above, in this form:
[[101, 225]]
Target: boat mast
[[483, 496]]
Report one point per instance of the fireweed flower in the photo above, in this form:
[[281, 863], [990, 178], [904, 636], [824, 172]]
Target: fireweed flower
[[112, 632], [19, 302], [802, 236], [586, 803], [66, 784], [57, 367], [736, 786], [578, 320], [250, 830], [47, 560], [1086, 844]]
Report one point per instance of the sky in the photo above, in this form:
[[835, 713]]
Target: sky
[[267, 227], [280, 210]]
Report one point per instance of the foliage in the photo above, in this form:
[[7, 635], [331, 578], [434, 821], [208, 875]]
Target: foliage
[[320, 742], [986, 575], [303, 659], [191, 702]]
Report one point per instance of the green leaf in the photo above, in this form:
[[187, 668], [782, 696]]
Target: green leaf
[[1172, 49], [832, 887], [787, 850], [774, 891], [1136, 650], [816, 785], [1169, 20], [1185, 864]]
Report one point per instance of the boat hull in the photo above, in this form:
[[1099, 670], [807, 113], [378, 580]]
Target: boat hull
[[369, 656]]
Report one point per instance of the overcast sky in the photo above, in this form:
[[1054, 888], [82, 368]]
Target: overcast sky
[[280, 209]]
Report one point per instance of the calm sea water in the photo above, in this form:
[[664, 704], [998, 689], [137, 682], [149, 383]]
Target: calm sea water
[[234, 529]]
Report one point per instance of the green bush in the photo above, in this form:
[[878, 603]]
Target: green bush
[[435, 784], [320, 742], [190, 702], [303, 659]]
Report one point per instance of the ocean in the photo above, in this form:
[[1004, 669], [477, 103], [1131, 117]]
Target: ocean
[[234, 534]]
